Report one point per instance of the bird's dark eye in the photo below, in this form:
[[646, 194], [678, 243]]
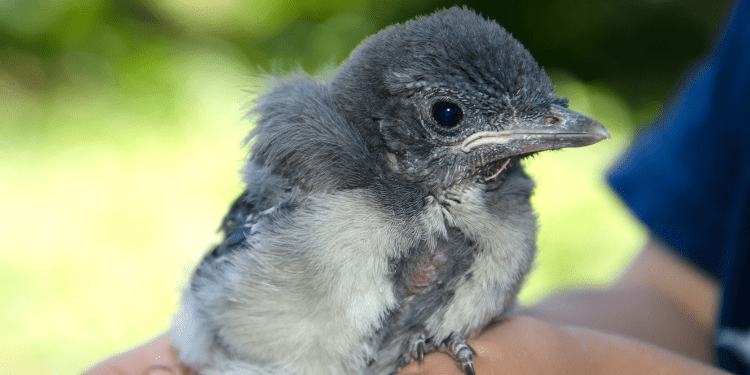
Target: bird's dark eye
[[447, 114]]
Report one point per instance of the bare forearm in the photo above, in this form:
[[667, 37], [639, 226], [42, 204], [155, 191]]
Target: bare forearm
[[661, 299], [523, 345], [619, 355], [641, 314]]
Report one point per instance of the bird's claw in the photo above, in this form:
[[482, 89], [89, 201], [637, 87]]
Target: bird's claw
[[420, 352], [469, 369], [461, 352], [418, 348]]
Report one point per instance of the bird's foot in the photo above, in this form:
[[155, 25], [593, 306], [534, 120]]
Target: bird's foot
[[457, 347]]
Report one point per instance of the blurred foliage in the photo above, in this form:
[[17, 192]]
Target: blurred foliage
[[638, 47], [119, 143]]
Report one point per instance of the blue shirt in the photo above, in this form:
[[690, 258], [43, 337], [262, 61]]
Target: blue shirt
[[688, 179]]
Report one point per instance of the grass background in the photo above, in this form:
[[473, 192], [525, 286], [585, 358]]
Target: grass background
[[120, 139]]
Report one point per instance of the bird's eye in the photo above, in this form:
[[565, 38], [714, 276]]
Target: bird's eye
[[447, 114]]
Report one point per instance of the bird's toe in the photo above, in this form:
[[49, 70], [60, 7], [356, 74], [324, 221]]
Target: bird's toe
[[418, 347], [457, 347], [468, 368]]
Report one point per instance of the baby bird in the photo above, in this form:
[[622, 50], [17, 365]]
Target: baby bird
[[386, 213]]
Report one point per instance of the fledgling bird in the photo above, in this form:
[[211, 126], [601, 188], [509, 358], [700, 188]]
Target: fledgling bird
[[386, 213]]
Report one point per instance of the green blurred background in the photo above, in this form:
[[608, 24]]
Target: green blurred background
[[120, 138]]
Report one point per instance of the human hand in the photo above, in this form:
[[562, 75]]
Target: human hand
[[156, 357], [518, 345], [159, 358]]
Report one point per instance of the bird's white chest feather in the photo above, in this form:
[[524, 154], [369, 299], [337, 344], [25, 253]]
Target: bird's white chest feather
[[505, 252]]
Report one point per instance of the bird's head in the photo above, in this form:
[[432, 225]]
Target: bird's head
[[453, 99]]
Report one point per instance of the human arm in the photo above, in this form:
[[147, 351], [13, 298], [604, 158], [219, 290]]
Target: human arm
[[661, 299], [523, 345]]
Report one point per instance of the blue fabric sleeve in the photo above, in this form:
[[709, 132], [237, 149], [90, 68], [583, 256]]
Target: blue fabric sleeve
[[687, 177]]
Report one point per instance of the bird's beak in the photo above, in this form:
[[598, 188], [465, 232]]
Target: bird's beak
[[564, 128]]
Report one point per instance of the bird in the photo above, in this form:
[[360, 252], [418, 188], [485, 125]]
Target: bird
[[386, 213]]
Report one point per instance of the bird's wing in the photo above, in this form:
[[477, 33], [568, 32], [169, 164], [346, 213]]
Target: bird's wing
[[194, 329], [304, 283]]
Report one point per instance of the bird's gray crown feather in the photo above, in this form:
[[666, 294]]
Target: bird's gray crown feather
[[375, 119], [455, 49]]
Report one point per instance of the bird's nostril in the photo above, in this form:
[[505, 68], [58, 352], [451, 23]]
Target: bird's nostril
[[551, 120]]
